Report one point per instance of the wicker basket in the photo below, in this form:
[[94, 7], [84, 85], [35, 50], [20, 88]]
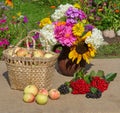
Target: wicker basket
[[23, 71]]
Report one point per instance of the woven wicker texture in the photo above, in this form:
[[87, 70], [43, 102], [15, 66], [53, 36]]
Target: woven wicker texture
[[23, 71]]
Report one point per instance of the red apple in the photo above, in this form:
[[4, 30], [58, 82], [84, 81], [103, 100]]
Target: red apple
[[54, 94], [31, 89], [41, 99], [43, 91], [28, 97], [21, 52]]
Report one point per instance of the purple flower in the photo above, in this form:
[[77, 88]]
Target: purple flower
[[25, 19], [36, 36], [72, 12], [70, 21], [93, 10], [82, 15], [75, 14], [89, 27]]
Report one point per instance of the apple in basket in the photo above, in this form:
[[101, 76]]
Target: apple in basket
[[48, 55], [21, 52], [28, 97], [43, 91], [28, 55], [54, 94], [41, 99], [10, 52], [38, 53], [31, 89]]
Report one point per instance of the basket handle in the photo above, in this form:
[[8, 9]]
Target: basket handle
[[27, 38]]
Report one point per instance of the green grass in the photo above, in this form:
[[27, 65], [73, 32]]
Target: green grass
[[35, 10], [109, 51]]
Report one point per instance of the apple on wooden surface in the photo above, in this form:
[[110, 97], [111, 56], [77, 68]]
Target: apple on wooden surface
[[41, 99], [31, 89], [28, 97], [43, 91], [54, 94]]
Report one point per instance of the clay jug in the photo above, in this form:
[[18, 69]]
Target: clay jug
[[65, 65]]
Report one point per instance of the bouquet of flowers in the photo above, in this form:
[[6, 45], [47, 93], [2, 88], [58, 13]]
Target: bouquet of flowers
[[69, 27], [92, 84]]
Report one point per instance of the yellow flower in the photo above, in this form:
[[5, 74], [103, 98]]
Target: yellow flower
[[76, 5], [19, 14], [80, 51], [13, 17], [84, 21], [44, 21], [78, 29], [9, 3]]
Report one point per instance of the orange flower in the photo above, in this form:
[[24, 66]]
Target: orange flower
[[13, 17], [53, 7], [9, 3], [60, 23], [117, 11], [100, 10]]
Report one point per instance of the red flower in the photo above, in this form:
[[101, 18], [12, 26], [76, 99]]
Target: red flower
[[79, 87], [99, 83]]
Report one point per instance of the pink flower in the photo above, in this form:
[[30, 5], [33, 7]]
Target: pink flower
[[4, 29], [64, 36], [4, 42], [2, 21]]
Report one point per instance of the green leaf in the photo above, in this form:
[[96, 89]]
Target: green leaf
[[87, 78], [92, 73], [67, 83], [110, 77], [79, 74], [93, 90], [100, 73]]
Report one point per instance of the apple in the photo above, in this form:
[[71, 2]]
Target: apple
[[41, 99], [43, 91], [38, 53], [28, 97], [21, 52], [48, 55], [31, 89], [54, 94], [16, 49], [28, 55]]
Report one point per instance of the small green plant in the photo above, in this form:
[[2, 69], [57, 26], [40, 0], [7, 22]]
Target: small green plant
[[111, 50], [104, 14]]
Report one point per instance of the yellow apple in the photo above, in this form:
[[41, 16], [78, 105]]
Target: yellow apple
[[31, 89], [38, 53], [41, 99], [48, 55], [28, 97]]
